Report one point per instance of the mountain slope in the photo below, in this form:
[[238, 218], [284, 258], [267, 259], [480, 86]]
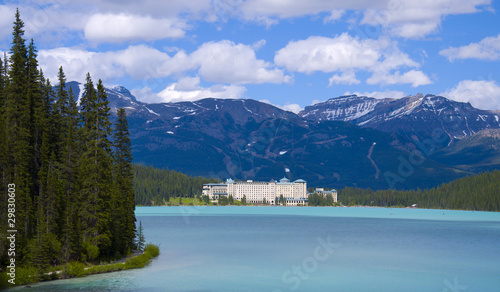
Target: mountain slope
[[247, 139], [480, 152], [418, 117]]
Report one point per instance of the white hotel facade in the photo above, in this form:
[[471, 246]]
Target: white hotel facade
[[255, 192]]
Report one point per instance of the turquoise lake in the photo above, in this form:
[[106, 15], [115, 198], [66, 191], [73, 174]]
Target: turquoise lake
[[309, 249]]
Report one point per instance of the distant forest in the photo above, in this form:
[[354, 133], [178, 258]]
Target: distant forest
[[155, 186], [480, 192]]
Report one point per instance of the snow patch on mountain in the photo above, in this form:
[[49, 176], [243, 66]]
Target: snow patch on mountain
[[152, 112]]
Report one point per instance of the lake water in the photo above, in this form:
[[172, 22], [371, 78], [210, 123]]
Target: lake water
[[310, 249]]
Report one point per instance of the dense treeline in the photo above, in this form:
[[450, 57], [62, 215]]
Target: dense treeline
[[65, 172], [155, 186], [480, 192], [317, 199]]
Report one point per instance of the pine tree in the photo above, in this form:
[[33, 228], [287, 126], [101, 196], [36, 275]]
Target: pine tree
[[17, 148], [123, 180], [95, 169], [140, 240], [71, 243]]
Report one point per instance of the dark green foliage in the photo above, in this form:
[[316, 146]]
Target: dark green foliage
[[480, 193], [317, 199], [153, 186], [73, 186], [140, 239], [124, 198]]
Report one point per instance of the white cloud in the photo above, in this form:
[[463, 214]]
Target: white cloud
[[291, 107], [348, 78], [487, 49], [413, 77], [409, 18], [6, 20], [329, 54], [219, 62], [481, 94], [347, 54], [258, 44], [379, 94], [335, 15], [109, 28], [227, 62], [189, 90]]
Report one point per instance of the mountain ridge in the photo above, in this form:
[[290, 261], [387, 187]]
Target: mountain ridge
[[248, 139]]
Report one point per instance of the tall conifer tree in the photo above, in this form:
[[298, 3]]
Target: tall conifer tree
[[95, 168], [123, 180], [18, 150]]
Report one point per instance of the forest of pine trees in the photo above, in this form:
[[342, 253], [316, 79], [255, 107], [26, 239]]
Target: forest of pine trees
[[479, 192], [155, 186], [71, 167]]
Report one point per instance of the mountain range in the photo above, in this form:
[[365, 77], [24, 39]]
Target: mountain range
[[416, 117], [405, 143]]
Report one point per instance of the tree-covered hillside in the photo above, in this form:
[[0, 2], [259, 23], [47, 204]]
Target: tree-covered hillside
[[480, 192], [154, 186]]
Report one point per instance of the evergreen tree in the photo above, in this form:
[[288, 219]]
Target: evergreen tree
[[95, 169], [18, 150], [61, 163], [140, 240], [71, 242], [124, 203]]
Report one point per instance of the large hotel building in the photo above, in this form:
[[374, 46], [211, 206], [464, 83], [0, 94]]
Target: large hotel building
[[294, 192]]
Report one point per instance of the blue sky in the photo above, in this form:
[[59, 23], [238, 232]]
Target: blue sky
[[290, 53]]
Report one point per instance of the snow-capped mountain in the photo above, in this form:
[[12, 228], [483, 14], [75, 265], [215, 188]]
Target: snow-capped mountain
[[343, 108], [417, 117], [248, 139]]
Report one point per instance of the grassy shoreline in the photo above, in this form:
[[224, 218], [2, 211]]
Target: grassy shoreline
[[73, 269]]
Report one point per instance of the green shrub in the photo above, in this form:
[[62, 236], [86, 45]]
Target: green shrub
[[152, 249], [138, 261], [75, 269], [91, 250], [27, 275]]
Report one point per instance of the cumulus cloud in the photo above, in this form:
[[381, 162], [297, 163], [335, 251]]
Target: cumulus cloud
[[409, 19], [348, 78], [291, 107], [413, 77], [379, 94], [189, 89], [227, 62], [481, 94], [487, 49], [329, 54], [219, 62], [347, 54], [109, 28], [6, 19]]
